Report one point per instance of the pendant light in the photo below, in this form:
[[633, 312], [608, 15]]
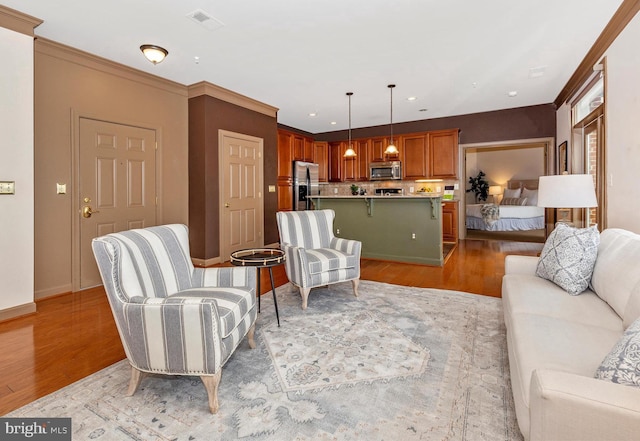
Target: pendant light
[[391, 148], [350, 153]]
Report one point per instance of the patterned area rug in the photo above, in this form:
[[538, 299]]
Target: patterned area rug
[[396, 363]]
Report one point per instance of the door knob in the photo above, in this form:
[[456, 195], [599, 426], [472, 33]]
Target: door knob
[[226, 204], [87, 211]]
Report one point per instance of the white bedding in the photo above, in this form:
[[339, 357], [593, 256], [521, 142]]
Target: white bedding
[[512, 218]]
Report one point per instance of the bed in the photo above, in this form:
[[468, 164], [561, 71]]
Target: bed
[[517, 210]]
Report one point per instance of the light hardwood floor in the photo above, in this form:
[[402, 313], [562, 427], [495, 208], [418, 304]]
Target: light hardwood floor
[[73, 335]]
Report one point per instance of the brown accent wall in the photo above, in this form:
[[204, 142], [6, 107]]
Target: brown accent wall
[[207, 115], [500, 125], [71, 83]]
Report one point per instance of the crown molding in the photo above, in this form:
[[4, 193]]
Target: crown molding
[[625, 13], [17, 21], [57, 50], [229, 96]]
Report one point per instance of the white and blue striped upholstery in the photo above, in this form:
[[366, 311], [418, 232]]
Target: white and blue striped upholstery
[[174, 318], [314, 256]]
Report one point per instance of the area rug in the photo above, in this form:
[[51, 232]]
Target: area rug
[[396, 363]]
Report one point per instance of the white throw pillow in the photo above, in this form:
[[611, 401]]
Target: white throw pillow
[[509, 193], [622, 364], [531, 195], [568, 257]]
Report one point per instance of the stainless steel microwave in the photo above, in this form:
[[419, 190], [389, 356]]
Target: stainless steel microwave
[[382, 171]]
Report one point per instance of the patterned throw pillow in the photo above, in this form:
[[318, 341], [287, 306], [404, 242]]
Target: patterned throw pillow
[[622, 364], [568, 257]]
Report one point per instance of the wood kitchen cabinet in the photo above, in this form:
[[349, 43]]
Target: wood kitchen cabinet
[[361, 146], [443, 154], [336, 150], [415, 156], [450, 221], [321, 157], [285, 196], [291, 147], [285, 155]]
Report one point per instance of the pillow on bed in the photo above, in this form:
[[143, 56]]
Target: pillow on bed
[[531, 195], [514, 201], [509, 193]]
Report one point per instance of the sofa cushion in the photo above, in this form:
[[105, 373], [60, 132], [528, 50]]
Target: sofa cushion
[[568, 257], [533, 295], [622, 364], [541, 342], [616, 278]]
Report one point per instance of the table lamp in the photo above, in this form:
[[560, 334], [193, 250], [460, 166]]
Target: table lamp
[[566, 191], [495, 190]]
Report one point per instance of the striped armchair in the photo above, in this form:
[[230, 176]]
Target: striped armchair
[[173, 318], [314, 256]]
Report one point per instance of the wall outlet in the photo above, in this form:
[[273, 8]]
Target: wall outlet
[[456, 186], [411, 189], [338, 232], [335, 191], [413, 236]]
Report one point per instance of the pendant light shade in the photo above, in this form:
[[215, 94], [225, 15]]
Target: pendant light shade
[[153, 53], [350, 153], [391, 148]]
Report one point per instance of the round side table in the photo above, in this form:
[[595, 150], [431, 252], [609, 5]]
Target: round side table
[[260, 258]]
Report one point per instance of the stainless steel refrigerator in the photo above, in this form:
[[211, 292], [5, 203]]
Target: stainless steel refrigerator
[[305, 183]]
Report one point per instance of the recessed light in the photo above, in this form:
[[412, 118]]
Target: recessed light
[[333, 123], [312, 114], [513, 93], [412, 98]]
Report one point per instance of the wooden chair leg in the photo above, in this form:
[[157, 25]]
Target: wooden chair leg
[[134, 381], [211, 383], [250, 334], [304, 292], [355, 283]]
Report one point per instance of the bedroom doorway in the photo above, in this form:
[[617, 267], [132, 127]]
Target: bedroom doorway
[[512, 170]]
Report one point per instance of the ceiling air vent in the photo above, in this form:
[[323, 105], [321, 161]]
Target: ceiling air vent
[[205, 19]]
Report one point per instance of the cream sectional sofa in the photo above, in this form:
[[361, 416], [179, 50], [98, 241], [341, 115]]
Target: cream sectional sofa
[[556, 343]]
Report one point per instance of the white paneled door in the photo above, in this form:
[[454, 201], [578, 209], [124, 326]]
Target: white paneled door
[[117, 185], [241, 183]]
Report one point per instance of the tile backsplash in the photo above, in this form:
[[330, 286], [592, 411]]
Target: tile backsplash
[[344, 188]]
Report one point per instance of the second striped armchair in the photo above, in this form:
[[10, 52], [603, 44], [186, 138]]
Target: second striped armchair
[[173, 318], [314, 256]]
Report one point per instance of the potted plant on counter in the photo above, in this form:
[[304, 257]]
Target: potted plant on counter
[[479, 186], [354, 189]]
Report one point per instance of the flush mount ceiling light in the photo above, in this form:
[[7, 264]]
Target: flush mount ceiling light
[[391, 148], [350, 153], [153, 53]]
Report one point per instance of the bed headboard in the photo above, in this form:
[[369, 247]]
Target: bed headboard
[[531, 184]]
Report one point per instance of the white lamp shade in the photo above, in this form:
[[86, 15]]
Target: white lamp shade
[[495, 190], [566, 191]]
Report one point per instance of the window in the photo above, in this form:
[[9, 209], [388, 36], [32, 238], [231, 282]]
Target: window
[[588, 142]]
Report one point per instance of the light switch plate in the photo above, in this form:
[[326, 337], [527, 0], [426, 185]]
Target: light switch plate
[[7, 187], [272, 189], [61, 188]]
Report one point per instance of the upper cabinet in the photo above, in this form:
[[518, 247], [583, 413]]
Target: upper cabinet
[[414, 155], [443, 154], [321, 157], [292, 147]]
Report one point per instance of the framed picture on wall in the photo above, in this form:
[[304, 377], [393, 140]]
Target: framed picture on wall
[[562, 154]]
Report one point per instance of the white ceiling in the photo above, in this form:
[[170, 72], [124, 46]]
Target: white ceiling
[[301, 56]]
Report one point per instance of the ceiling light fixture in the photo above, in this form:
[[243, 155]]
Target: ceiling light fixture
[[391, 148], [153, 53], [350, 153]]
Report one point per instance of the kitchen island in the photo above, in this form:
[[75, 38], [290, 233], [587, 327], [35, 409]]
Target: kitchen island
[[397, 228]]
